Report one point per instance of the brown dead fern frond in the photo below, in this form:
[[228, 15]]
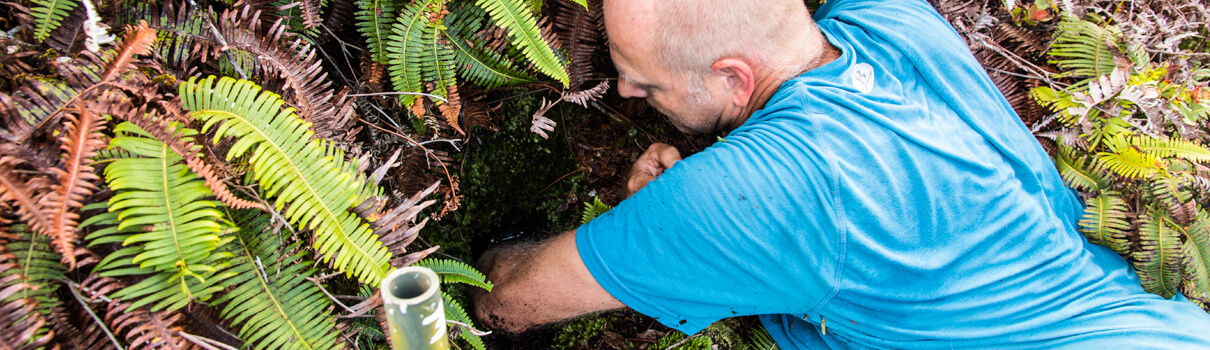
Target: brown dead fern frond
[[66, 323], [576, 28], [137, 42], [161, 127], [584, 96], [23, 193], [18, 318], [80, 141], [285, 58], [69, 36], [452, 108], [148, 330], [393, 227]]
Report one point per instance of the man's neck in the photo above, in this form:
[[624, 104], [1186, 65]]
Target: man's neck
[[768, 84]]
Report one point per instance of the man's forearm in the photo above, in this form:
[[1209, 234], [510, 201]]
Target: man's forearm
[[536, 284]]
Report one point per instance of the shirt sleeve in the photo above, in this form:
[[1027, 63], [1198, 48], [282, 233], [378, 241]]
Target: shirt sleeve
[[745, 227]]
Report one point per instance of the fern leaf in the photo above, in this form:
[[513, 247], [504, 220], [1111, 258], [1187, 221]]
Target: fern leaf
[[415, 55], [179, 228], [474, 61], [1177, 148], [272, 302], [761, 340], [48, 14], [80, 141], [25, 193], [277, 57], [290, 165], [1104, 222], [138, 42], [374, 19], [1159, 258], [27, 288], [593, 210], [485, 68], [1130, 163], [515, 17], [311, 11], [439, 58], [1196, 250], [453, 271], [181, 143], [1085, 49], [1077, 174], [455, 312]]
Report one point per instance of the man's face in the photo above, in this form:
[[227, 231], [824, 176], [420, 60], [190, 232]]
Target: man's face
[[685, 98]]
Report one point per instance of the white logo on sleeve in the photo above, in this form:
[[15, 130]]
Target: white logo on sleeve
[[862, 75]]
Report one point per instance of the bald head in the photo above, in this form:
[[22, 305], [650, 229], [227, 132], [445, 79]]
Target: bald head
[[690, 35]]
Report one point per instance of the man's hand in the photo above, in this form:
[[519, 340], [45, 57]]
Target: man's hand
[[652, 163]]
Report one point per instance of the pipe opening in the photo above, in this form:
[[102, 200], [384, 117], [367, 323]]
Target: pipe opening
[[409, 285]]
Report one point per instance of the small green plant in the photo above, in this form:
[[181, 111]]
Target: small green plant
[[453, 271], [594, 209]]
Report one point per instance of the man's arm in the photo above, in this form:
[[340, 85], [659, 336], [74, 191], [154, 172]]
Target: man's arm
[[538, 283]]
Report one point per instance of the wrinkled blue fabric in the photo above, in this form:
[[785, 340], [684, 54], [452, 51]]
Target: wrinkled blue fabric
[[907, 208]]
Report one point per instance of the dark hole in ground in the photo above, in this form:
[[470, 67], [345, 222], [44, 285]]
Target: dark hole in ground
[[519, 186]]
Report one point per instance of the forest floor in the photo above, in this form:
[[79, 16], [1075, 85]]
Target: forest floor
[[517, 185]]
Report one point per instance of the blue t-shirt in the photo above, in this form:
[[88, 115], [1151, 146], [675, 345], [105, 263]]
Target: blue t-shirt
[[894, 196]]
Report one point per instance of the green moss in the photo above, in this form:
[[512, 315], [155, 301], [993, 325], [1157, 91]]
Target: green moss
[[576, 332], [722, 333], [513, 178]]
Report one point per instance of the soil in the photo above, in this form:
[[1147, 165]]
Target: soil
[[517, 185]]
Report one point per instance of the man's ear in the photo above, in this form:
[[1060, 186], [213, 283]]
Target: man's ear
[[738, 79]]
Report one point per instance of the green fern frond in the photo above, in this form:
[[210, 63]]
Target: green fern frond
[[1159, 258], [1104, 222], [455, 312], [593, 210], [299, 171], [48, 15], [158, 189], [1171, 148], [272, 302], [1077, 174], [39, 267], [374, 20], [1196, 250], [414, 51], [1085, 49], [453, 271], [302, 18], [761, 340], [177, 231], [516, 18], [474, 61], [1170, 191], [1129, 163]]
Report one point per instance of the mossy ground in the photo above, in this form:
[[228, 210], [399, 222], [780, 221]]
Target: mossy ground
[[513, 179]]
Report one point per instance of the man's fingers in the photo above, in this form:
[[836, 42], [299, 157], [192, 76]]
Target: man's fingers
[[637, 182], [657, 158], [666, 155]]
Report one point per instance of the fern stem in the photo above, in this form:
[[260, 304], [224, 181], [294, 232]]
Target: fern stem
[[435, 97], [330, 296], [472, 330], [79, 298], [221, 40], [204, 342]]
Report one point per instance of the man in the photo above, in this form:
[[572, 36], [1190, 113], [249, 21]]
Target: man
[[874, 190]]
